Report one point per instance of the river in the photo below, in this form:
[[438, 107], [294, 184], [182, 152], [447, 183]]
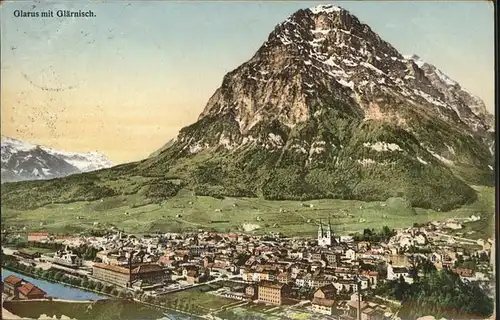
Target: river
[[60, 291], [56, 290]]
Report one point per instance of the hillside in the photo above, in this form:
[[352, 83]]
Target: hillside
[[325, 109]]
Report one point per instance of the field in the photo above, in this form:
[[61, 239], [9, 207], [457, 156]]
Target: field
[[196, 300], [186, 211], [101, 310], [252, 311], [32, 250], [268, 312]]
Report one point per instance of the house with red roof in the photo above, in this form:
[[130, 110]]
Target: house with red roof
[[20, 289], [10, 285], [38, 236], [30, 291]]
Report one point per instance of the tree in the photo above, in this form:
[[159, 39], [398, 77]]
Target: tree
[[121, 293], [85, 283], [39, 271], [444, 294], [51, 274], [58, 276], [98, 286], [91, 285], [426, 266], [45, 274], [77, 282], [382, 270], [401, 289], [107, 289]]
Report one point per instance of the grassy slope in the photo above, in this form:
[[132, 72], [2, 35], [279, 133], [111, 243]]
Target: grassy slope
[[230, 213], [333, 173], [140, 189]]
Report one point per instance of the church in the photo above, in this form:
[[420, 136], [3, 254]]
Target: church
[[325, 238]]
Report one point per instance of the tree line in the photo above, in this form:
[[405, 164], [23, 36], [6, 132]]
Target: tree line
[[56, 275], [373, 236], [441, 293]]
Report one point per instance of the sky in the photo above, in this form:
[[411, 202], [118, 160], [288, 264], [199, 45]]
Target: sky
[[127, 80]]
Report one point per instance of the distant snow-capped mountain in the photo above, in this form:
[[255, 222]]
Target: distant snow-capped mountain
[[26, 161]]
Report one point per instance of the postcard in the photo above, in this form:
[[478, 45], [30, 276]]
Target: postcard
[[248, 160]]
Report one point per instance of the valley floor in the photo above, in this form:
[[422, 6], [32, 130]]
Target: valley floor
[[186, 212]]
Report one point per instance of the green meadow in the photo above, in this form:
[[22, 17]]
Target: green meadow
[[187, 212]]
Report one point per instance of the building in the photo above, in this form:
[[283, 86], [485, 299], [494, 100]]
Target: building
[[346, 285], [326, 292], [28, 255], [11, 284], [398, 260], [68, 258], [369, 311], [126, 276], [272, 292], [268, 275], [197, 276], [112, 273], [372, 278], [284, 277], [20, 289], [251, 291], [325, 236], [333, 259], [395, 273], [323, 306], [30, 291], [350, 254], [38, 236], [464, 272], [372, 314]]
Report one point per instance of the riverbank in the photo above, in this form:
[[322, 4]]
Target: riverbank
[[171, 312], [97, 295], [83, 310], [6, 314]]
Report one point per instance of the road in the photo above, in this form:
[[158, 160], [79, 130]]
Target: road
[[456, 238], [46, 264], [185, 287]]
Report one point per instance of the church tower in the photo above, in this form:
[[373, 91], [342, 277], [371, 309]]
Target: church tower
[[324, 237], [329, 233], [320, 231]]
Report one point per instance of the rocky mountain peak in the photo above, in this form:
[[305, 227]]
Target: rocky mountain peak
[[325, 53], [327, 109], [25, 161]]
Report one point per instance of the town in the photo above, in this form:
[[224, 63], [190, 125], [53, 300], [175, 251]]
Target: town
[[373, 275]]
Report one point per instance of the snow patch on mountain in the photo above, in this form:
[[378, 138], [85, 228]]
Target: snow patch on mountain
[[366, 162], [17, 145], [383, 146], [84, 161], [325, 8], [26, 161], [422, 160], [440, 158]]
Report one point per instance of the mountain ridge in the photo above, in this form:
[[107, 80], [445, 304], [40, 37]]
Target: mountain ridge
[[324, 109], [26, 161], [370, 83]]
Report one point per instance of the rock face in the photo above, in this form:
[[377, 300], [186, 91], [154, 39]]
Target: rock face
[[326, 108], [25, 161]]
